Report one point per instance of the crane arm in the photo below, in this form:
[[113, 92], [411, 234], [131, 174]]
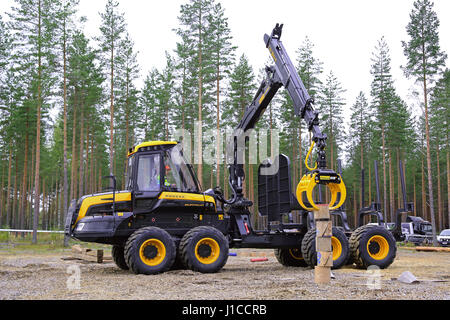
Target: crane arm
[[281, 74]]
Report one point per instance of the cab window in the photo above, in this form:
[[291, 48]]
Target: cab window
[[148, 174], [178, 174], [172, 178]]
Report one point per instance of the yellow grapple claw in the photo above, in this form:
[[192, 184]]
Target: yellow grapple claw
[[307, 185]]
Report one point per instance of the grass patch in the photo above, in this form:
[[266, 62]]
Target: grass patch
[[16, 244]]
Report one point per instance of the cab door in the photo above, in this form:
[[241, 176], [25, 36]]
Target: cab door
[[147, 181]]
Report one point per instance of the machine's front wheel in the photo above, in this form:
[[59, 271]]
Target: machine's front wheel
[[339, 245], [290, 257], [150, 250], [372, 245], [204, 249]]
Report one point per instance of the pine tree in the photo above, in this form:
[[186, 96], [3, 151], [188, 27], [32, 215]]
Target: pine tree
[[195, 27], [65, 15], [127, 110], [359, 133], [239, 96], [222, 56], [34, 28], [240, 93], [424, 62], [85, 97], [309, 68], [184, 114], [153, 120], [439, 131], [112, 29], [331, 108], [5, 49], [381, 92]]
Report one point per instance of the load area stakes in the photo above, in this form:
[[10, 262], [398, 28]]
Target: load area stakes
[[322, 271]]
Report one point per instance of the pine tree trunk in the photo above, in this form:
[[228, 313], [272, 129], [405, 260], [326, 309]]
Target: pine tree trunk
[[92, 175], [38, 133], [384, 173], [370, 185], [424, 195], [355, 209], [1, 195], [57, 199], [74, 158], [81, 163], [23, 196], [391, 188], [44, 217], [127, 143], [399, 191], [448, 185], [300, 155], [439, 206], [86, 167], [414, 193], [200, 93], [14, 206], [111, 119], [8, 190], [430, 177], [65, 169], [362, 168], [218, 128], [31, 188]]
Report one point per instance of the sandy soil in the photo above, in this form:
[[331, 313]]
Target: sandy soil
[[47, 276]]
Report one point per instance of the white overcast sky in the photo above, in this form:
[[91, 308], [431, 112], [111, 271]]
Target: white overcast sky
[[344, 32]]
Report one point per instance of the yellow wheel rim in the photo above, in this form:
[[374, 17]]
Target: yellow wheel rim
[[378, 247], [152, 252], [296, 253], [207, 250], [337, 248]]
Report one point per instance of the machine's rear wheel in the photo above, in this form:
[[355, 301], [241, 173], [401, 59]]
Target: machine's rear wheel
[[150, 250], [372, 245], [339, 244], [290, 257], [118, 255], [204, 249]]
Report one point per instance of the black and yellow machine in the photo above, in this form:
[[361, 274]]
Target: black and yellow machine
[[163, 220]]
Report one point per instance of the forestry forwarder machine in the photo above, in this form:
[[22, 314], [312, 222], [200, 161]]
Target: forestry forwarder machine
[[164, 221]]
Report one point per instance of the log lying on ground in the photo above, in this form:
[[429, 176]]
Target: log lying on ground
[[433, 249], [87, 254]]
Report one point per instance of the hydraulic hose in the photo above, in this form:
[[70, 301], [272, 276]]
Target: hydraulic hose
[[308, 155]]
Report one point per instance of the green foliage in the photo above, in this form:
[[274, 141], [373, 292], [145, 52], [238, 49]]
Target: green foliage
[[331, 104], [425, 58], [200, 79]]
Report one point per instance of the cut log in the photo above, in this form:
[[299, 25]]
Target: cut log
[[433, 249]]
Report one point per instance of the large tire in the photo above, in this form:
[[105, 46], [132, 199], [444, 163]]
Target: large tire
[[339, 243], [118, 255], [178, 264], [372, 245], [290, 257], [204, 249], [150, 250]]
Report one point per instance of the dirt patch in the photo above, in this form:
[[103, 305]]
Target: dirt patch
[[47, 276]]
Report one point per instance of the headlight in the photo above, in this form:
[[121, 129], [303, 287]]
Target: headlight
[[80, 227]]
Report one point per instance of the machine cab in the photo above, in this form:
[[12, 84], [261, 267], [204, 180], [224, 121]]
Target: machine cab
[[156, 167]]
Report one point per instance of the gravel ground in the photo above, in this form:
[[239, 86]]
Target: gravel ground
[[46, 276]]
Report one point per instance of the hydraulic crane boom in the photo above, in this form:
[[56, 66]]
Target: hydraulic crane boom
[[282, 73]]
